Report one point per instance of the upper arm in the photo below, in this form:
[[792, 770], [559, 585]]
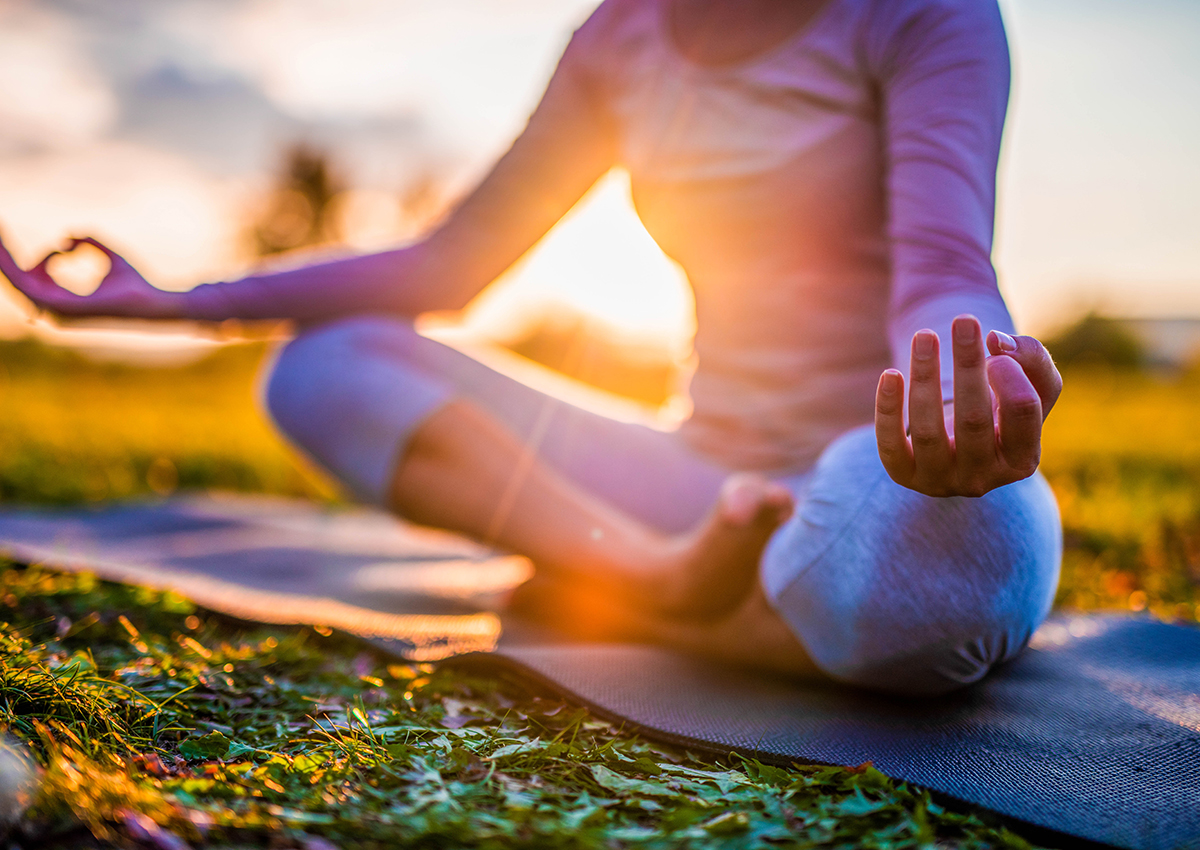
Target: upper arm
[[944, 73], [568, 143]]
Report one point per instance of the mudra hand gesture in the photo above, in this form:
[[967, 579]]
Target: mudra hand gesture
[[989, 436], [122, 293]]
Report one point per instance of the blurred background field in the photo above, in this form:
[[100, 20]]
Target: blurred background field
[[1122, 449], [77, 430]]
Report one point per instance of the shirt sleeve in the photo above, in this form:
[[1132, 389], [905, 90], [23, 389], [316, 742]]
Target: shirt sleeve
[[944, 74], [566, 145]]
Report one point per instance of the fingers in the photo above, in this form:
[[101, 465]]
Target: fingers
[[926, 419], [974, 427], [1035, 360], [36, 284], [39, 286], [117, 263], [76, 241], [749, 497], [1012, 390], [1020, 412], [894, 449]]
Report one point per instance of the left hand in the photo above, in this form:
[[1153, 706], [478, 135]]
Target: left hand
[[990, 436]]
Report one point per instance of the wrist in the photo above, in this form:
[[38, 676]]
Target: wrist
[[167, 305], [206, 302]]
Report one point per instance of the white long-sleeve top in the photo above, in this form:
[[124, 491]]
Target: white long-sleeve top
[[826, 199]]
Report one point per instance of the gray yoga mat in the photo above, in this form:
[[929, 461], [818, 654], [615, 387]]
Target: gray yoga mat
[[1093, 734]]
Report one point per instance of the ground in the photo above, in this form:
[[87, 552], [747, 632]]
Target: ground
[[153, 723]]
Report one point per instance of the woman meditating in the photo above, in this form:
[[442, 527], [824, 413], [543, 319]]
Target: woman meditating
[[824, 172]]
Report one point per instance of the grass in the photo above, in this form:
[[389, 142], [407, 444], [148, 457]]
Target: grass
[[150, 715], [1122, 451], [154, 723], [77, 431]]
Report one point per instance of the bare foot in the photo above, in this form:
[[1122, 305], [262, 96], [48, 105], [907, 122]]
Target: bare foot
[[710, 570], [698, 575], [752, 635]]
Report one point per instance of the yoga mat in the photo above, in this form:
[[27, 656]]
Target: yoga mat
[[1092, 734]]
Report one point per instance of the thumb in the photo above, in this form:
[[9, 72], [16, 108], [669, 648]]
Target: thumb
[[1035, 361], [43, 268]]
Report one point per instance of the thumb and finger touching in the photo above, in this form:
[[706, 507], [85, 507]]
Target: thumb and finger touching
[[116, 261], [39, 285], [1019, 414], [1034, 360]]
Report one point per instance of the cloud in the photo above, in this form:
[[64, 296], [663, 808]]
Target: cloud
[[52, 99], [472, 69], [229, 126], [162, 75]]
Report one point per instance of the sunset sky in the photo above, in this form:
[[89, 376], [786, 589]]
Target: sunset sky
[[156, 125]]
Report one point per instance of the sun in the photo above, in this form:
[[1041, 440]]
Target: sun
[[599, 261]]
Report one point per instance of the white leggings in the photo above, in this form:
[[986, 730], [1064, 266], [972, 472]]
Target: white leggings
[[884, 587]]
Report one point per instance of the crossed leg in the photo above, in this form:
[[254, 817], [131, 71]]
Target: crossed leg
[[463, 470], [869, 582], [615, 508]]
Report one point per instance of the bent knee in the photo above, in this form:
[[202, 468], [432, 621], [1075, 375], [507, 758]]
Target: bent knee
[[910, 594], [346, 395], [934, 621], [944, 652], [314, 374], [944, 633]]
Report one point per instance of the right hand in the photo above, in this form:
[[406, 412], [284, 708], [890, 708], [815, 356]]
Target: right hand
[[990, 436], [122, 293]]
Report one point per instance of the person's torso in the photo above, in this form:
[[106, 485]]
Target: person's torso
[[764, 180]]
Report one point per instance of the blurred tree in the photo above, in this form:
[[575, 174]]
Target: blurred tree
[[300, 211], [1097, 340]]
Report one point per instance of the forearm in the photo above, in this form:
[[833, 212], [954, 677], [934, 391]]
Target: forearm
[[944, 76], [403, 281]]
